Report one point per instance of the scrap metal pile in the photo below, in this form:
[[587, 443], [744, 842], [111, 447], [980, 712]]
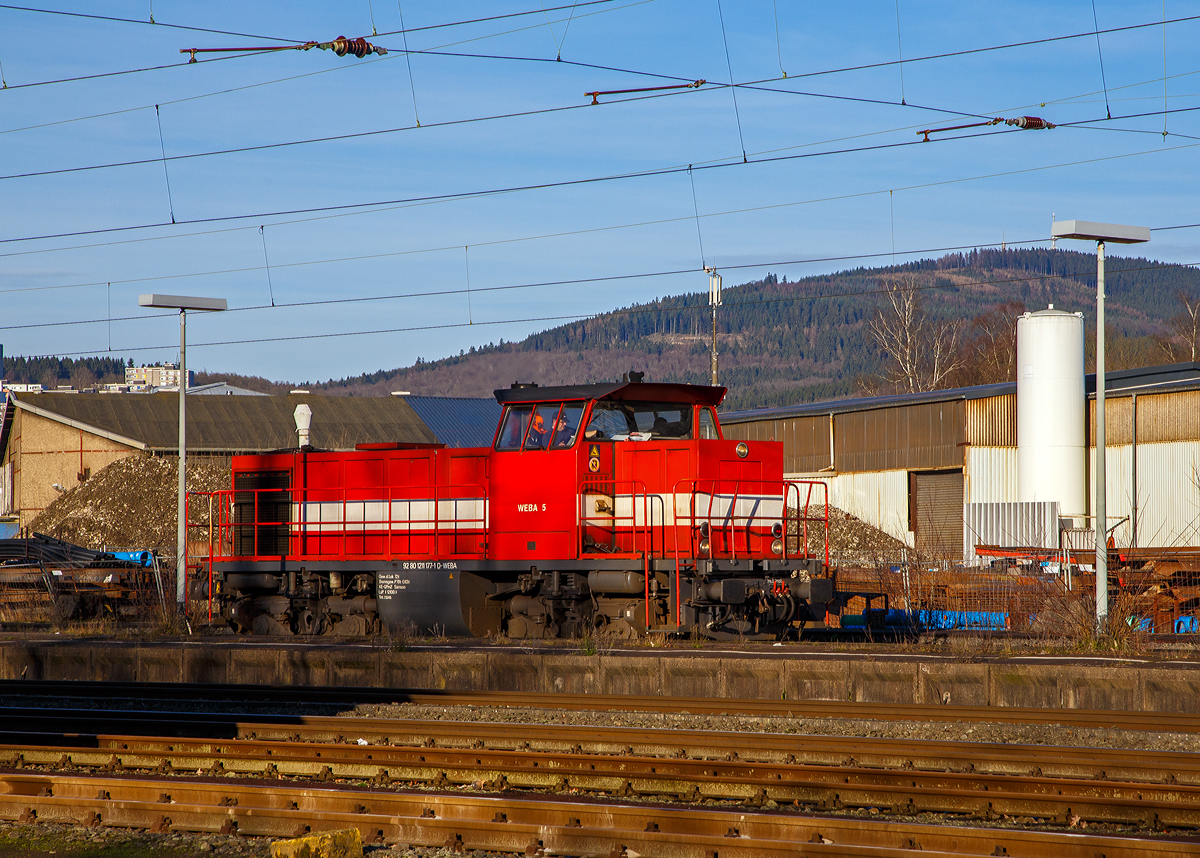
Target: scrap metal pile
[[43, 579]]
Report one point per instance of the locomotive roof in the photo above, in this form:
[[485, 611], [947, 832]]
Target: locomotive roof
[[625, 391]]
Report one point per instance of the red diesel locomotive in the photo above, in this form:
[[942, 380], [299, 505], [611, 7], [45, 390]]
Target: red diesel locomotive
[[601, 506]]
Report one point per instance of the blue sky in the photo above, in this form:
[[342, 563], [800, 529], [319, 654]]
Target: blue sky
[[770, 214]]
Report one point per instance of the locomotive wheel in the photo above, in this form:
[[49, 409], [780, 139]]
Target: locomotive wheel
[[622, 630], [355, 625], [265, 624], [306, 622], [522, 628]]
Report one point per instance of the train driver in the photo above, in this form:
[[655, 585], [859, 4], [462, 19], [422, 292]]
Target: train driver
[[537, 434], [563, 433]]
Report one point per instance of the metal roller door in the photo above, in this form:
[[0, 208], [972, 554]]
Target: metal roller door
[[936, 513]]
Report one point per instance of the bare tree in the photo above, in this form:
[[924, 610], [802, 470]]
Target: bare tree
[[922, 352], [995, 343], [1182, 338]]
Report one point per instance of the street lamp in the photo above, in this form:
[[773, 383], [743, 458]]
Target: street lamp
[[182, 303], [1100, 233]]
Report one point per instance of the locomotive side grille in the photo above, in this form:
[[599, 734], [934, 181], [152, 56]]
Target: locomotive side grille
[[262, 511]]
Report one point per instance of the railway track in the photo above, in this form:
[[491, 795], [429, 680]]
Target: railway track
[[533, 827], [970, 781], [561, 789], [343, 698]]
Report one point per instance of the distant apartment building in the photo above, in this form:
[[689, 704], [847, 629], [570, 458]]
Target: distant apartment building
[[164, 375]]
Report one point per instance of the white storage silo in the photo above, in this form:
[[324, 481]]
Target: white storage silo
[[1051, 450]]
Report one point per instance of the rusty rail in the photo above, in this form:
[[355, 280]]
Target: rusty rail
[[982, 782], [541, 826], [138, 732]]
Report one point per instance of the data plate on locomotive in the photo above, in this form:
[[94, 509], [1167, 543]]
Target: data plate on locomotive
[[437, 598]]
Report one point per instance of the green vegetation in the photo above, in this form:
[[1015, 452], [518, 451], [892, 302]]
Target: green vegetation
[[50, 372], [786, 342], [808, 340]]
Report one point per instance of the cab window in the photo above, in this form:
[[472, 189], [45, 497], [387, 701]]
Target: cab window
[[514, 427], [639, 421], [547, 426], [566, 426], [708, 426]]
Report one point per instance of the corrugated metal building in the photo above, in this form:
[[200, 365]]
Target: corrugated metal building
[[908, 464], [50, 442]]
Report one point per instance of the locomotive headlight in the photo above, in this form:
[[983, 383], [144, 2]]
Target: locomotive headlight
[[704, 529], [704, 546], [777, 546], [742, 450], [777, 529]]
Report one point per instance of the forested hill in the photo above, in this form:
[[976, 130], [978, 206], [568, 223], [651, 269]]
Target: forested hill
[[784, 342]]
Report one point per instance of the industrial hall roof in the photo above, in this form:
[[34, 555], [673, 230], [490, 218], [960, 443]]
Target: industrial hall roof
[[230, 424], [866, 403], [1175, 376], [458, 421]]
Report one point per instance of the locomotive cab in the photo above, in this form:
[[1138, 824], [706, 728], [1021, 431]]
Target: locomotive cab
[[603, 507]]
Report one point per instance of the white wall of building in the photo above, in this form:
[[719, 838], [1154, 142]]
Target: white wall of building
[[1168, 492], [880, 498], [990, 475]]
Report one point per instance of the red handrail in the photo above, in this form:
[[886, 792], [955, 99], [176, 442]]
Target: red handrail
[[342, 528], [787, 487], [634, 495]]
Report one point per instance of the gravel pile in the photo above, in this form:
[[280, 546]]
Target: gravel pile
[[852, 542], [131, 503]]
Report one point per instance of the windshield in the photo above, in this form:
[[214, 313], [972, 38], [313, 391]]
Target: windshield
[[639, 421], [546, 426]]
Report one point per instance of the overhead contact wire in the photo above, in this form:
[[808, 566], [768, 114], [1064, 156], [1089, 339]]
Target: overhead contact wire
[[646, 274], [595, 180], [622, 312]]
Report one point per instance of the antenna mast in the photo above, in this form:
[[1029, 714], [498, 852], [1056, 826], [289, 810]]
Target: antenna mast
[[714, 301]]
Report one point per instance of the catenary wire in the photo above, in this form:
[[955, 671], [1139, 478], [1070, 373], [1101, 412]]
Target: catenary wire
[[353, 135], [618, 277], [99, 75], [629, 311], [268, 52], [840, 70], [113, 19], [1065, 100], [280, 38], [662, 171]]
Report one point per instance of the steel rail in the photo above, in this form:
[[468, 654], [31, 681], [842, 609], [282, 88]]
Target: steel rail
[[135, 729], [845, 784], [506, 823], [1183, 722]]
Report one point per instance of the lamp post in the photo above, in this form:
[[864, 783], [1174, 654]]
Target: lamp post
[[182, 303], [1101, 233]]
